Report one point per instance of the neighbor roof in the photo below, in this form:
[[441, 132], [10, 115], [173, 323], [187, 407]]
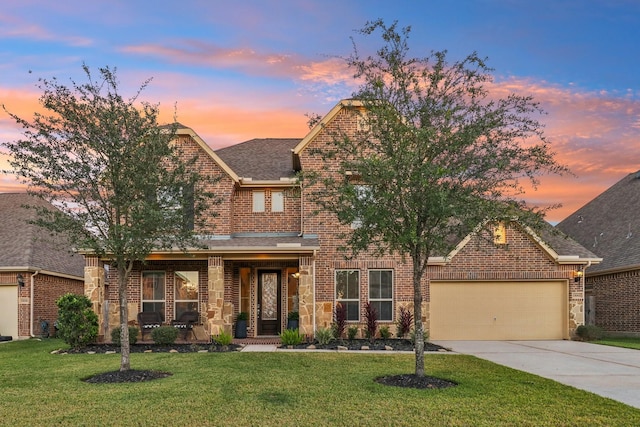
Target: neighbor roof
[[25, 246], [261, 159], [609, 225]]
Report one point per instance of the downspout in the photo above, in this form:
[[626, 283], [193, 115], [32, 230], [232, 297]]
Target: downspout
[[314, 293], [301, 211], [32, 304]]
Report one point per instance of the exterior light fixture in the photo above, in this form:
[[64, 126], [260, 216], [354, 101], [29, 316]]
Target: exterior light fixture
[[20, 280]]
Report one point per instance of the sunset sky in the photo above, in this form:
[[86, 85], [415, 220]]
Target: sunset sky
[[237, 70]]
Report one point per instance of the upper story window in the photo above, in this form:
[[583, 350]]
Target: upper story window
[[277, 201], [500, 234], [258, 201]]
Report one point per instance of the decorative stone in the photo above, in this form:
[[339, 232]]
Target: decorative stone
[[148, 351], [364, 347], [91, 352], [55, 352], [311, 347], [110, 352], [173, 350], [341, 347], [388, 348], [203, 351]]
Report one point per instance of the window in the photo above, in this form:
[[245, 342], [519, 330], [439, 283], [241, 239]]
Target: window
[[186, 292], [381, 293], [153, 291], [258, 201], [363, 193], [348, 292], [277, 201]]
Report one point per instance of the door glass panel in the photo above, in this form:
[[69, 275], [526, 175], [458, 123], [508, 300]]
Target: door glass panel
[[269, 296]]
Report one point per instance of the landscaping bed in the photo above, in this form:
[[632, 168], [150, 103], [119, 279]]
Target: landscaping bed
[[366, 345], [152, 348]]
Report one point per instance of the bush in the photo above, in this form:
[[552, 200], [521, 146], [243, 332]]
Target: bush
[[291, 337], [77, 322], [339, 320], [352, 332], [385, 334], [243, 315], [133, 335], [293, 315], [589, 332], [405, 322], [371, 316], [164, 335], [324, 336], [223, 338]]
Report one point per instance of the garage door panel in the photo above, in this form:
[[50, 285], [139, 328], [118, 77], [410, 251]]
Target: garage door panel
[[9, 311], [498, 310]]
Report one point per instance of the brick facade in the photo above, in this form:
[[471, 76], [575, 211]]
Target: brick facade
[[617, 301]]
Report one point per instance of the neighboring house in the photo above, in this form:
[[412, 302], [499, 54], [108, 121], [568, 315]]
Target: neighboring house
[[609, 226], [271, 255], [35, 270]]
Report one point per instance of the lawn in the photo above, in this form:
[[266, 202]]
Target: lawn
[[626, 342], [285, 389]]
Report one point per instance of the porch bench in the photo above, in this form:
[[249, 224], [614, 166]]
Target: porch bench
[[149, 320], [186, 322]]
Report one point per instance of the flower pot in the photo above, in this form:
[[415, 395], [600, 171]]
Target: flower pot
[[241, 328], [292, 324]]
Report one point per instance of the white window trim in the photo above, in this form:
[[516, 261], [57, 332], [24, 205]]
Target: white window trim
[[393, 279], [335, 291]]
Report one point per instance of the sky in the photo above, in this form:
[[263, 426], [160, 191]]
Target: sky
[[238, 70]]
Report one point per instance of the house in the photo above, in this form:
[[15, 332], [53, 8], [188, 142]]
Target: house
[[271, 255], [34, 270], [610, 227]]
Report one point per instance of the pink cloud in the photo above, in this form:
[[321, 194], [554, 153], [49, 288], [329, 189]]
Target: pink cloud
[[12, 27]]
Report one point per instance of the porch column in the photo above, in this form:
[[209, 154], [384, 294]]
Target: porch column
[[94, 289], [306, 295], [219, 314]]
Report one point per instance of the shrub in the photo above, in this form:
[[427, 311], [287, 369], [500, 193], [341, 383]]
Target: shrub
[[242, 316], [385, 334], [371, 316], [164, 335], [293, 315], [77, 322], [291, 337], [324, 336], [223, 338], [133, 335], [339, 320], [352, 332], [405, 321], [589, 332]]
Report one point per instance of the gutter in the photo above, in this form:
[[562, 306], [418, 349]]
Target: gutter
[[32, 303]]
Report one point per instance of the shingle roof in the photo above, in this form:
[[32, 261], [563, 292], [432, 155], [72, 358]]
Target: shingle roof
[[609, 225], [26, 245], [261, 159]]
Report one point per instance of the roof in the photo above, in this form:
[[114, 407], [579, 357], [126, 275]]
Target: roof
[[261, 159], [25, 246], [609, 225]]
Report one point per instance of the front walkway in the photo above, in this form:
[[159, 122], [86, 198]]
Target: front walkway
[[607, 371]]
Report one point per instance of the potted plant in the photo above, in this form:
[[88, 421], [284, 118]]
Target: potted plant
[[293, 319], [241, 325]]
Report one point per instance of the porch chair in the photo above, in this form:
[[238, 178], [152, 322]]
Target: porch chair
[[186, 322], [149, 320]]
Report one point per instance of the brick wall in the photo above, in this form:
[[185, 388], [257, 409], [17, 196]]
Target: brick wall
[[247, 221], [617, 301]]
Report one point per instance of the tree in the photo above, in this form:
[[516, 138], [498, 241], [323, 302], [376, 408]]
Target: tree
[[123, 188], [434, 158]]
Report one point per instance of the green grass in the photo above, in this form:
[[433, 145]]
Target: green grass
[[285, 389], [626, 342]]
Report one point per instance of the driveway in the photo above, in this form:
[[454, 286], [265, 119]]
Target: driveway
[[611, 372]]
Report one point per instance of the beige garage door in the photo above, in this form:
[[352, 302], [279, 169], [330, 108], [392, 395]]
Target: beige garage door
[[498, 310], [9, 310]]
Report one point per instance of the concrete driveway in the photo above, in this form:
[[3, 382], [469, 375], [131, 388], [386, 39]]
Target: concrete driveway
[[607, 371]]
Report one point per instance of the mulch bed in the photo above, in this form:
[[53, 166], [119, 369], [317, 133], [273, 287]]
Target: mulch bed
[[152, 348], [379, 344], [413, 381]]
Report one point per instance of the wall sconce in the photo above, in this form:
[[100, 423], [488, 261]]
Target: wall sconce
[[577, 275], [20, 280], [295, 275]]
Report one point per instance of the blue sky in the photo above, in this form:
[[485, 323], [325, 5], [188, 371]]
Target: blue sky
[[235, 70]]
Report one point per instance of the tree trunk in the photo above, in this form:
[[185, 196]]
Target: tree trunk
[[124, 318], [417, 318]]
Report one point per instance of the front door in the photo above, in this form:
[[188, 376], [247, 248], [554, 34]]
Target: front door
[[269, 302]]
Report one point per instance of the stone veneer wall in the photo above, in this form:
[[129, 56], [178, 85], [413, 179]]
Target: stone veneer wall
[[219, 314]]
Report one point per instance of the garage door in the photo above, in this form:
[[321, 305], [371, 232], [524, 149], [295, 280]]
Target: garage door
[[9, 310], [498, 310]]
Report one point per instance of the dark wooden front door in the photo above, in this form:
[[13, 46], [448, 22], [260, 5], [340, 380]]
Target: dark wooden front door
[[269, 305]]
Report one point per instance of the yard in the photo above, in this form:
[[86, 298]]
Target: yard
[[282, 389]]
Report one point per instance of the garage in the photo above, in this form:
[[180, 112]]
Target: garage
[[9, 310], [500, 310]]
